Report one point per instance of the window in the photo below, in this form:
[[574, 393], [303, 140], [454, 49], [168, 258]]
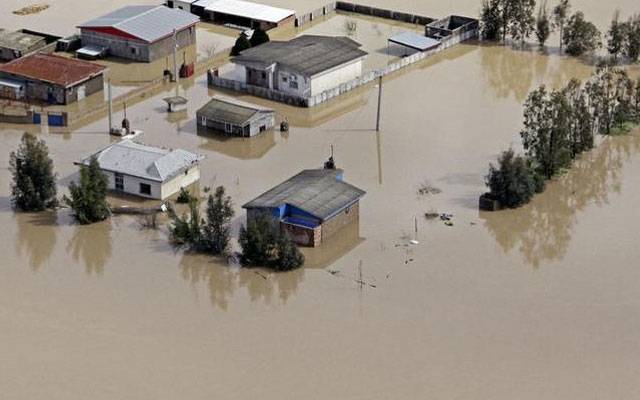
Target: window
[[119, 181], [293, 85], [134, 50], [284, 79], [228, 128], [264, 75], [145, 189]]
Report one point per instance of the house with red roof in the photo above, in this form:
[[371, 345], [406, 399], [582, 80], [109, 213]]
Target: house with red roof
[[51, 79]]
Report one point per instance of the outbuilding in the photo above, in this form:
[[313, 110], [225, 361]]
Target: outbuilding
[[234, 117], [141, 33], [146, 171], [305, 66], [49, 78], [311, 206], [16, 44], [240, 13]]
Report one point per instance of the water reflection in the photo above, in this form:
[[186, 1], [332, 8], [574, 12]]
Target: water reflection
[[541, 230], [237, 147], [91, 245], [223, 282], [36, 237], [336, 247]]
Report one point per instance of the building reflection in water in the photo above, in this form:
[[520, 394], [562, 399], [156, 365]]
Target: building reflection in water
[[91, 245], [541, 230], [237, 147]]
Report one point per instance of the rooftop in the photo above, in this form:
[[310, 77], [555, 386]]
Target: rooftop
[[230, 110], [307, 54], [246, 9], [320, 192], [147, 23], [58, 70], [414, 41], [19, 40], [143, 161]]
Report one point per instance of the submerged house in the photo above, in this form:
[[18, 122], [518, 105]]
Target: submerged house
[[234, 117], [139, 33], [146, 171], [302, 67], [311, 206], [18, 43], [49, 78]]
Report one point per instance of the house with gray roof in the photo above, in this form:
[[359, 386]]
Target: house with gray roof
[[311, 206], [146, 171], [234, 117], [140, 33], [302, 67]]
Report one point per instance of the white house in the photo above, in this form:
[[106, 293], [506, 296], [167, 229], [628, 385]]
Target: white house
[[147, 171], [305, 66]]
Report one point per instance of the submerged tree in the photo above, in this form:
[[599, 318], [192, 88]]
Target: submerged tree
[[490, 20], [560, 15], [543, 25], [513, 182], [186, 230], [632, 43], [263, 244], [616, 36], [242, 43], [580, 36], [216, 233], [259, 37], [89, 198], [522, 21], [34, 182]]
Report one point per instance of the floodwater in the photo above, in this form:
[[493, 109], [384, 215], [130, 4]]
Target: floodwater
[[542, 302]]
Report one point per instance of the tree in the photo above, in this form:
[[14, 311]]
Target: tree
[[186, 230], [89, 198], [581, 134], [616, 37], [259, 37], [543, 25], [490, 20], [632, 44], [522, 22], [513, 182], [263, 244], [636, 102], [216, 232], [242, 43], [580, 36], [34, 183], [560, 15]]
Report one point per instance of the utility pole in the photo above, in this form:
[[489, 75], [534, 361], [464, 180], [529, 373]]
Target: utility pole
[[379, 103], [110, 106], [175, 57]]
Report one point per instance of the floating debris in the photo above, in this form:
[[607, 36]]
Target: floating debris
[[427, 189], [431, 215], [32, 9]]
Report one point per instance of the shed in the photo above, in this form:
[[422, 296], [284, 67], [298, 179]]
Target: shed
[[414, 41], [234, 117], [17, 44], [176, 103], [310, 206], [146, 171]]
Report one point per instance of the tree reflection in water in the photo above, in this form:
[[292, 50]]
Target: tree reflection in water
[[91, 245], [222, 280], [36, 237], [541, 230]]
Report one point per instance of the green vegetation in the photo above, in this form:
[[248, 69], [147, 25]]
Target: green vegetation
[[34, 183], [513, 17], [580, 36], [259, 37], [561, 124], [616, 36], [623, 38], [211, 234], [89, 198], [184, 197], [513, 182], [263, 244], [543, 25], [490, 20], [560, 15], [242, 43]]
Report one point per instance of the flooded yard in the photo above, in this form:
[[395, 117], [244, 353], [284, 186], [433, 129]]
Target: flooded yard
[[537, 303]]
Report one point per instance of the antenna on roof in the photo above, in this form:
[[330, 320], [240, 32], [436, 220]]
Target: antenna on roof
[[330, 163]]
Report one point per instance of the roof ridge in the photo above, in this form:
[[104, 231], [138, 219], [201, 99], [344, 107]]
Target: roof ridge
[[132, 18]]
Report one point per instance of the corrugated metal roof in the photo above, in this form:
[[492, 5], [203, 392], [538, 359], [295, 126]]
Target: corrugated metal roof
[[307, 54], [246, 9], [152, 163], [230, 110], [148, 23], [414, 41], [58, 70], [316, 191]]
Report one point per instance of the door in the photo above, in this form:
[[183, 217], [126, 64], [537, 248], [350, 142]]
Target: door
[[119, 182], [82, 92]]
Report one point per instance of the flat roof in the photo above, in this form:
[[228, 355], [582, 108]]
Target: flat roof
[[246, 9], [230, 110], [58, 70], [320, 192], [307, 54], [414, 40], [19, 40], [91, 50], [148, 23]]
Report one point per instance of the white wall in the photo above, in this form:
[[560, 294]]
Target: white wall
[[132, 185], [172, 186], [335, 77]]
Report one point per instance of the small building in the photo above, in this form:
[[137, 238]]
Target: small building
[[52, 79], [239, 13], [181, 4], [146, 171], [414, 42], [453, 29], [305, 66], [311, 207], [141, 33], [16, 44], [176, 104], [234, 117]]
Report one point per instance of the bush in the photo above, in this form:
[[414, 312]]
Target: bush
[[514, 182], [34, 183], [259, 37], [580, 36], [242, 43], [184, 197], [89, 198], [264, 245]]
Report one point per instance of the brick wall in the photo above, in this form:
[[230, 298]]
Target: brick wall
[[348, 215]]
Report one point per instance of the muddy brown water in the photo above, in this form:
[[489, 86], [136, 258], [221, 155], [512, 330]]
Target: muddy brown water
[[537, 303]]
